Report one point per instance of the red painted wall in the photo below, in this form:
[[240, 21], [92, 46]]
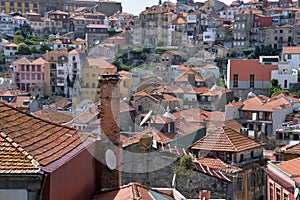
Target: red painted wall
[[74, 180], [262, 21], [276, 184]]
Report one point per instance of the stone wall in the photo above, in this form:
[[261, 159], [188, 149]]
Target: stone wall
[[161, 170], [31, 183]]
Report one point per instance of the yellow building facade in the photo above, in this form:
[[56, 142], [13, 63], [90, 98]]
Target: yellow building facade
[[91, 70]]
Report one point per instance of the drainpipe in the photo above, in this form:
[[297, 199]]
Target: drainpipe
[[40, 196]]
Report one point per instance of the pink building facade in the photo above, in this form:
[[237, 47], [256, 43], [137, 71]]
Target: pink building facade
[[29, 75]]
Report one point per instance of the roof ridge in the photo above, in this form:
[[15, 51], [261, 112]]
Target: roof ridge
[[33, 116], [226, 135], [33, 161]]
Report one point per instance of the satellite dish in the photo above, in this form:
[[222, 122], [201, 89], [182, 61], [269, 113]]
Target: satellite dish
[[296, 193], [97, 42], [110, 159], [146, 117]]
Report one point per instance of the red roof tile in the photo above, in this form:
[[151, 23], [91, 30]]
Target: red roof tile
[[291, 167], [216, 163], [184, 77], [43, 140], [52, 115], [14, 159], [132, 191], [295, 149], [157, 135], [225, 140]]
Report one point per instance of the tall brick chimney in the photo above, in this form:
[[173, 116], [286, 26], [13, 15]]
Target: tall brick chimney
[[108, 93], [110, 106]]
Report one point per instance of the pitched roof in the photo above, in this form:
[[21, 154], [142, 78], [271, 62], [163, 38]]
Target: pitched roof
[[211, 172], [184, 76], [14, 159], [216, 163], [99, 63], [258, 104], [295, 149], [225, 140], [291, 167], [46, 142], [52, 115], [157, 135], [22, 60], [291, 50], [132, 191]]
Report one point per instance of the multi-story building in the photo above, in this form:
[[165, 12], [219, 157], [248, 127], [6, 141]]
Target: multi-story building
[[283, 179], [10, 49], [60, 16], [91, 70], [95, 34], [241, 31], [31, 76], [292, 56], [75, 60], [80, 20], [58, 61], [279, 36], [6, 24], [42, 6], [285, 75], [260, 113], [238, 157], [154, 23], [253, 74], [177, 32]]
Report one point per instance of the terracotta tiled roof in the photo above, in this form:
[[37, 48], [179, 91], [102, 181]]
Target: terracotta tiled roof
[[225, 140], [157, 135], [52, 115], [181, 68], [184, 76], [291, 50], [295, 149], [211, 172], [77, 51], [14, 159], [179, 21], [12, 93], [43, 140], [291, 167], [22, 60], [63, 103], [258, 104], [11, 45], [39, 61], [101, 63], [132, 191], [216, 163], [96, 26]]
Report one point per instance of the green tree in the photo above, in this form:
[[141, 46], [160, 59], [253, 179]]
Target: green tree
[[18, 39], [44, 48], [185, 168], [34, 49], [70, 48], [23, 49], [232, 53], [275, 88]]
